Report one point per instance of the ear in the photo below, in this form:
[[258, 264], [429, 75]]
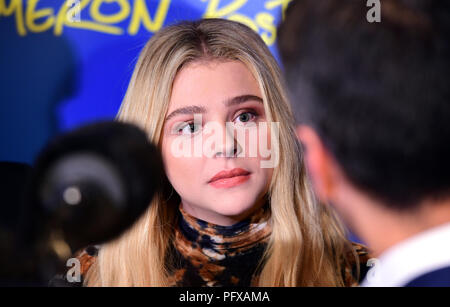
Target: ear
[[319, 162]]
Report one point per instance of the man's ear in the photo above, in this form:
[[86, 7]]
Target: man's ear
[[320, 164]]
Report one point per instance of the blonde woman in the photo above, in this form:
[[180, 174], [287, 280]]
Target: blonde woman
[[222, 219]]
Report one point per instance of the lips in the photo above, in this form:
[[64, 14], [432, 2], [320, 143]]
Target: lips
[[227, 179]]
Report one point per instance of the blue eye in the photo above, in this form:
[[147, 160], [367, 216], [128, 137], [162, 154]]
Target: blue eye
[[190, 128], [246, 117]]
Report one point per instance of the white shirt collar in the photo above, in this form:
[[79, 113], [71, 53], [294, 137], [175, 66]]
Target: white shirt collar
[[411, 258]]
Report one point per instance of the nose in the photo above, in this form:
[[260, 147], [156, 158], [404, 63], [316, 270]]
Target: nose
[[230, 147]]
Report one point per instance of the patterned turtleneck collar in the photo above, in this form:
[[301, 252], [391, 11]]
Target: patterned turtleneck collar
[[205, 254]]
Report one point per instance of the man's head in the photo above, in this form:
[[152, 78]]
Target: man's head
[[372, 99]]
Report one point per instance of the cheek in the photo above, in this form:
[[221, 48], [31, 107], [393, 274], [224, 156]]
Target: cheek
[[179, 170], [267, 174], [264, 145], [249, 141], [257, 141]]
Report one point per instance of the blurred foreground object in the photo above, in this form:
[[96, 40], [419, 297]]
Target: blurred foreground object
[[87, 187]]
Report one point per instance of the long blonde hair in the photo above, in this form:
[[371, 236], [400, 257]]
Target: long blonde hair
[[307, 243]]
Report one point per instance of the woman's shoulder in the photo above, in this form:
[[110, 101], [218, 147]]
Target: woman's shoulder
[[85, 258], [356, 265]]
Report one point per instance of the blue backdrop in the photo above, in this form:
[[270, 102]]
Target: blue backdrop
[[65, 63]]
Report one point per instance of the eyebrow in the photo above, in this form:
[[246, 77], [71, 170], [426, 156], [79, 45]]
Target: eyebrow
[[229, 102], [241, 99], [186, 110]]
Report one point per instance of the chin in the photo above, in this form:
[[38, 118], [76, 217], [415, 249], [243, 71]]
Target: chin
[[233, 209]]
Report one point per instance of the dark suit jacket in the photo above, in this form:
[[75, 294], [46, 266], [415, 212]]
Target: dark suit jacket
[[437, 278]]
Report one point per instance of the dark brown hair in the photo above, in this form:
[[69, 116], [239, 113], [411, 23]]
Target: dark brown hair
[[378, 94]]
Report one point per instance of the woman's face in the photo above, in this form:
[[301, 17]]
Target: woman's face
[[211, 131]]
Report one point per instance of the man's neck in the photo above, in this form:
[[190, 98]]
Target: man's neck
[[381, 228]]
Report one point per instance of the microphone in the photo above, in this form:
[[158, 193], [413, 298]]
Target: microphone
[[87, 187], [94, 182]]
